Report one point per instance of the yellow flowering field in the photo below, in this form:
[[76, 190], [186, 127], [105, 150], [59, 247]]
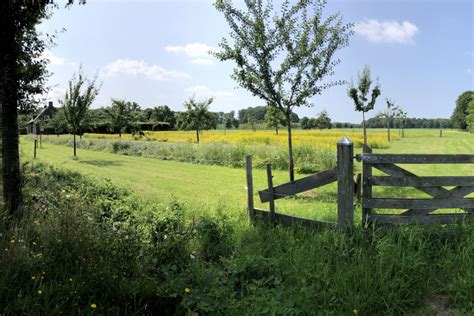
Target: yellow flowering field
[[319, 138]]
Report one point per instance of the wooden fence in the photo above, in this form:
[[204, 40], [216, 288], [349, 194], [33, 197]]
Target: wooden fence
[[417, 211], [343, 174]]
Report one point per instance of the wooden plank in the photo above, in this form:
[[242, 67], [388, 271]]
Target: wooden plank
[[420, 204], [422, 219], [358, 186], [367, 187], [270, 188], [300, 185], [396, 171], [416, 159], [287, 220], [250, 204], [421, 181], [345, 183]]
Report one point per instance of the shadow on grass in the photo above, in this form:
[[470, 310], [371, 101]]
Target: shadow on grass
[[102, 163]]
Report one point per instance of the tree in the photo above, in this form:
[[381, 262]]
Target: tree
[[402, 117], [58, 122], [19, 50], [275, 118], [77, 101], [360, 93], [120, 116], [197, 115], [163, 113], [298, 39], [458, 117], [323, 121], [470, 115], [390, 114], [305, 123], [252, 121]]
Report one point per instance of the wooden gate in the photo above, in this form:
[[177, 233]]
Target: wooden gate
[[416, 211], [343, 174]]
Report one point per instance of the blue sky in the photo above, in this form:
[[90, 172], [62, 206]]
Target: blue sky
[[154, 52]]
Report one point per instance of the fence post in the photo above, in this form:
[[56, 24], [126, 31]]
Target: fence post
[[250, 207], [345, 183], [270, 189], [36, 145]]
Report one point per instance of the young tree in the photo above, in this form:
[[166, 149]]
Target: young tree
[[197, 115], [275, 118], [390, 114], [323, 121], [360, 94], [77, 101], [283, 58], [120, 116], [252, 121], [402, 117]]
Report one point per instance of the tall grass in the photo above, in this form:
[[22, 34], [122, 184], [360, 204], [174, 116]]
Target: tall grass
[[88, 247], [308, 158]]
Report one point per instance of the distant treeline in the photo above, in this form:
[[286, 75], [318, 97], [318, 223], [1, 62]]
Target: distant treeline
[[162, 118]]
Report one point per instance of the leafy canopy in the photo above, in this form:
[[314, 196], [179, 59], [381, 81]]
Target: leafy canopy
[[360, 94], [79, 96], [282, 58]]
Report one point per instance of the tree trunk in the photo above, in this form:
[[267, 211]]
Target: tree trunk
[[197, 134], [388, 128], [365, 131], [120, 134], [290, 149], [276, 129], [9, 99], [74, 143]]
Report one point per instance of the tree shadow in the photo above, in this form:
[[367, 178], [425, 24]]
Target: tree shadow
[[101, 163]]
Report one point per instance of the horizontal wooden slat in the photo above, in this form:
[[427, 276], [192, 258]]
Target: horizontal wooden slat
[[421, 181], [422, 219], [416, 159], [300, 185], [420, 204], [287, 220]]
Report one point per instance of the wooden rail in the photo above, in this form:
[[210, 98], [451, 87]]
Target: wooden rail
[[416, 210], [343, 174]]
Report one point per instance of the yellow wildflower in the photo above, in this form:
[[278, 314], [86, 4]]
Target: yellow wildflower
[[93, 306], [40, 292], [355, 311], [187, 290]]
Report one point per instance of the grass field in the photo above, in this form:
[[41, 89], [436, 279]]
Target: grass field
[[90, 247], [212, 187]]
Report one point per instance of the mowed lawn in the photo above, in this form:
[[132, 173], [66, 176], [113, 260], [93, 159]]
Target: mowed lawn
[[209, 188]]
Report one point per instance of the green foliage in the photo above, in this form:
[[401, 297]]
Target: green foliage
[[283, 58], [323, 121], [310, 159], [163, 113], [470, 115], [123, 116], [77, 100], [87, 243], [458, 117], [360, 95], [197, 116], [274, 118]]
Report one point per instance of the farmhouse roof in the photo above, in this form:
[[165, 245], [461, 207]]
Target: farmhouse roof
[[43, 111]]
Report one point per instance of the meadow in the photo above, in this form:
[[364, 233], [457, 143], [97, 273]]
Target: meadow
[[150, 236], [211, 182]]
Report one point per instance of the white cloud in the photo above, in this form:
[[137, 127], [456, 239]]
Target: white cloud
[[139, 67], [387, 31], [198, 52], [204, 91]]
